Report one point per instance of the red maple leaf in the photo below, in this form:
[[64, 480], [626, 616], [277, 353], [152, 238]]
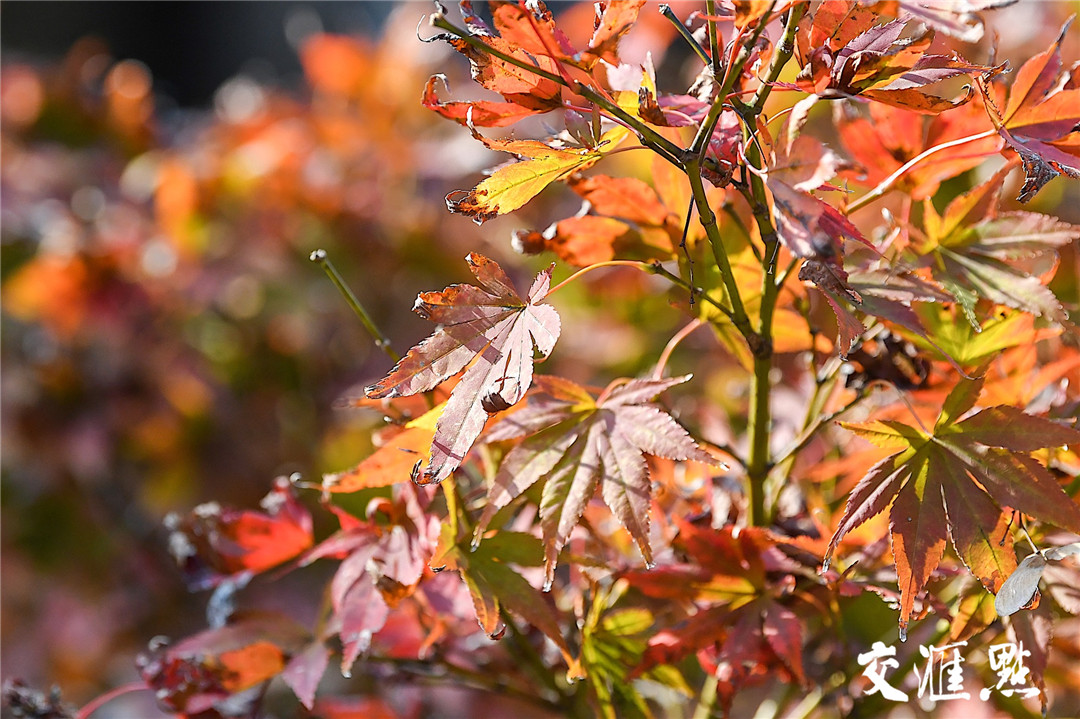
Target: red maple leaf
[[382, 563], [214, 543], [844, 54]]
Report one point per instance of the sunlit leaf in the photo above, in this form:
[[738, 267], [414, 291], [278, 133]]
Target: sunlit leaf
[[494, 330]]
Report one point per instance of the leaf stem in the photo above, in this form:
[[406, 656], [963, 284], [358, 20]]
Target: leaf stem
[[96, 703], [643, 266], [678, 337], [381, 341], [889, 181]]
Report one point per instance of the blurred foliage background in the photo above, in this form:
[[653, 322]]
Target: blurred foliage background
[[165, 340]]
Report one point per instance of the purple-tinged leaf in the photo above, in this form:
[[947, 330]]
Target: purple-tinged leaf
[[304, 670], [494, 330], [593, 443]]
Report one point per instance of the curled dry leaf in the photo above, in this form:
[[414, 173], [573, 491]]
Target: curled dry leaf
[[1019, 590], [480, 113], [511, 186], [1041, 119]]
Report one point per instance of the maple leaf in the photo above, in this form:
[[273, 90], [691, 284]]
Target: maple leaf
[[205, 670], [511, 186], [494, 585], [975, 253], [393, 461], [214, 544], [971, 345], [480, 113], [953, 482], [807, 225], [381, 564], [615, 19], [1040, 120], [889, 137], [627, 219], [740, 580], [888, 295], [530, 27], [517, 85], [492, 328], [304, 671], [1034, 630], [845, 55], [579, 443]]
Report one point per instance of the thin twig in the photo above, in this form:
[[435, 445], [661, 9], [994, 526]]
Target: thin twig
[[889, 181], [734, 69], [446, 672], [667, 12], [643, 266], [714, 38], [682, 245], [784, 50], [381, 341], [657, 269], [96, 703], [678, 337]]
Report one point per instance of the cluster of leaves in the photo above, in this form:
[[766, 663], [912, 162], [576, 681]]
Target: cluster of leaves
[[632, 555]]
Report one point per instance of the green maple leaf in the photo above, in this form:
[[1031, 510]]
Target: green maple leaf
[[952, 483]]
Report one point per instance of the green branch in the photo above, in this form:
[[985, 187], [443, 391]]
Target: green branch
[[738, 313], [705, 129], [714, 38], [667, 12], [759, 462], [784, 50]]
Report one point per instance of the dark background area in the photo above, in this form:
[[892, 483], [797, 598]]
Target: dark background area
[[191, 48]]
